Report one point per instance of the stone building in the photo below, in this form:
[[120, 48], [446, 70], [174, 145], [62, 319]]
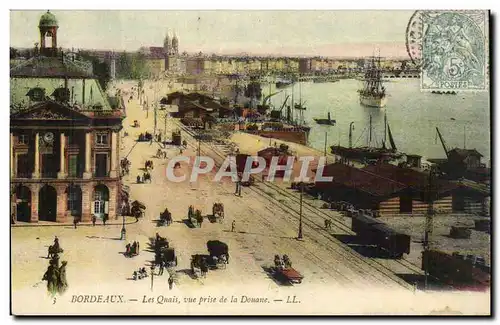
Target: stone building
[[64, 136]]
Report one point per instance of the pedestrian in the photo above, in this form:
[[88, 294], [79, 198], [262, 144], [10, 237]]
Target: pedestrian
[[162, 266], [75, 221], [104, 219], [233, 225], [170, 282], [94, 219]]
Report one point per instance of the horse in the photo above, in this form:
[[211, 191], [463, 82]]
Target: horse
[[204, 269], [277, 262], [286, 261], [328, 224], [54, 250]]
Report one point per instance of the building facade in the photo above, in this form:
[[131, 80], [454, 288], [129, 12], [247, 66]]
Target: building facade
[[64, 138]]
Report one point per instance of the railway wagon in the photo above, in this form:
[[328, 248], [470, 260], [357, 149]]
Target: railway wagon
[[454, 269], [395, 243], [375, 232]]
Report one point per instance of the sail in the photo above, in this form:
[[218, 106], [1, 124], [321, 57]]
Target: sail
[[393, 145]]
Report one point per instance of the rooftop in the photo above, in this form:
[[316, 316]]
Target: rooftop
[[48, 20], [361, 180], [60, 66]]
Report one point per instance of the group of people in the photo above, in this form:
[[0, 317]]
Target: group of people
[[56, 274], [132, 250], [140, 274], [145, 136], [149, 165], [146, 176], [161, 154]]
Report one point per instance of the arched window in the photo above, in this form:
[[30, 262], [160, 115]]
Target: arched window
[[36, 94], [48, 39], [61, 94]]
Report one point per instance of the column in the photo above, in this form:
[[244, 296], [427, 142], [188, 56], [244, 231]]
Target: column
[[13, 163], [62, 202], [112, 171], [35, 192], [62, 169], [113, 196], [88, 170], [86, 201], [36, 171]]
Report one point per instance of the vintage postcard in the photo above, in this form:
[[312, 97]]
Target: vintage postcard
[[250, 162]]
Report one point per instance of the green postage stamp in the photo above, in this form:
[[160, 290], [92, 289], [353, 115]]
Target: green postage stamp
[[455, 54]]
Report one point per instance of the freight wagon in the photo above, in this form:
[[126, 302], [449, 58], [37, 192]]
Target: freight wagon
[[375, 232], [454, 269]]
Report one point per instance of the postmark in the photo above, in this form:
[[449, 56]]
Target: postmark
[[454, 50]]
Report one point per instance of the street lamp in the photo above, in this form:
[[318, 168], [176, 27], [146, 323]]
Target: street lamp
[[152, 275], [429, 221], [124, 231], [300, 215]]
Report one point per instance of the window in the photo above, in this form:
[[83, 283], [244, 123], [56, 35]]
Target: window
[[101, 139], [23, 139], [61, 94], [73, 166], [36, 94], [74, 203], [98, 207]]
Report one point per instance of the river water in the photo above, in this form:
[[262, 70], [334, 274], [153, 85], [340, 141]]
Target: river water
[[412, 115]]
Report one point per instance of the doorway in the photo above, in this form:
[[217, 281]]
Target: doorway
[[23, 204], [47, 204]]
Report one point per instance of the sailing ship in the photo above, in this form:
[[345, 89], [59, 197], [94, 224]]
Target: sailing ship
[[369, 153], [373, 92], [327, 121], [284, 125]]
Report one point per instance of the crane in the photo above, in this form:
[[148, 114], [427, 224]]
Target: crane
[[442, 142], [284, 103]]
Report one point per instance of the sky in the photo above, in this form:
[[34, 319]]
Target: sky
[[308, 33]]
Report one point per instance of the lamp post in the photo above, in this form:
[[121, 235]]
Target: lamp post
[[152, 275], [124, 231], [300, 212], [429, 222]]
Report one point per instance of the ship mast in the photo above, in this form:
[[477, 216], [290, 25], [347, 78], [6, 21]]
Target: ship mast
[[370, 133], [385, 129]]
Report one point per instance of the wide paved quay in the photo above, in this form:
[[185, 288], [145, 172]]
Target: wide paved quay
[[336, 279]]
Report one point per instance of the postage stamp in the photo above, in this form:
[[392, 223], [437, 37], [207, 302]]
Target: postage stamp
[[454, 51]]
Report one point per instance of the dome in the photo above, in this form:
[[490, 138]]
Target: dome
[[48, 20]]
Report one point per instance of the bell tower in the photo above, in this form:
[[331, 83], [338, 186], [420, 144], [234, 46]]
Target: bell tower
[[48, 27]]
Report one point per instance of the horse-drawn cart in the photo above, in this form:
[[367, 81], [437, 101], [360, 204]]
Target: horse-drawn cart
[[165, 218], [195, 218], [284, 271], [167, 256], [217, 212], [137, 209], [219, 252], [290, 275]]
